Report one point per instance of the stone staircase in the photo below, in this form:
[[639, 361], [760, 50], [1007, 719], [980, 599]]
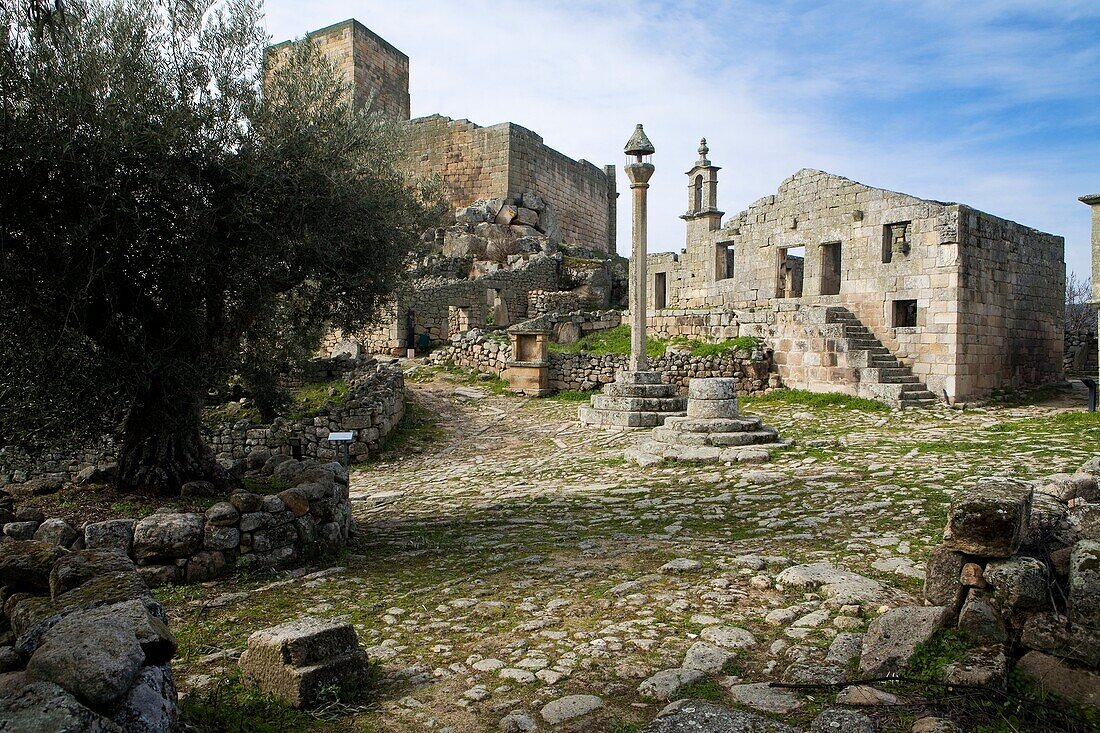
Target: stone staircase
[[881, 375]]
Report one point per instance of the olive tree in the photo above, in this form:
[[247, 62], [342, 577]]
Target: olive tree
[[175, 209]]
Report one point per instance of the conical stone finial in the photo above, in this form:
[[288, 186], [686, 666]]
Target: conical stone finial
[[639, 144]]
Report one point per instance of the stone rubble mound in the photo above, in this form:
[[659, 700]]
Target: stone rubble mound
[[712, 430], [496, 229], [83, 644]]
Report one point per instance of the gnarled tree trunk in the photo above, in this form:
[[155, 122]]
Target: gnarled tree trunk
[[162, 448]]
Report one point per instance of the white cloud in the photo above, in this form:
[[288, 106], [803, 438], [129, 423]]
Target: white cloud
[[581, 74]]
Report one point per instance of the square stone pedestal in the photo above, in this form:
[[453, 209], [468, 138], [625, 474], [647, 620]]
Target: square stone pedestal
[[529, 370]]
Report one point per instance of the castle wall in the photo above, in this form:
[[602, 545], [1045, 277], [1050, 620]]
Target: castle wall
[[506, 161], [1011, 304], [377, 72]]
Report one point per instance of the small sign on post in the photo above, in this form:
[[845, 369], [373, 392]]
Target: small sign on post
[[341, 441]]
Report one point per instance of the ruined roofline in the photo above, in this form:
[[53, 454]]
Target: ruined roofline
[[352, 22], [436, 117], [815, 172]]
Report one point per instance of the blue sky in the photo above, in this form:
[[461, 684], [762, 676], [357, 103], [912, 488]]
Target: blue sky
[[993, 104]]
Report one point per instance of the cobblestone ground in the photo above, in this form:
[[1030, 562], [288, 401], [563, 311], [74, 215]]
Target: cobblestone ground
[[510, 557]]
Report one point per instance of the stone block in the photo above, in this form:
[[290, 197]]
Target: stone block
[[893, 637], [294, 660], [168, 536], [712, 389], [114, 534], [1018, 583], [1084, 583], [980, 619], [989, 521], [1054, 676], [56, 532], [1050, 633], [709, 409], [942, 578]]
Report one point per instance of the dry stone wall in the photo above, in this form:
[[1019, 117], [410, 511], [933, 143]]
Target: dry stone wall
[[1017, 575], [309, 518], [372, 407], [489, 352]]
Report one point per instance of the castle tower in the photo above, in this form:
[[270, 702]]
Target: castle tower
[[702, 213]]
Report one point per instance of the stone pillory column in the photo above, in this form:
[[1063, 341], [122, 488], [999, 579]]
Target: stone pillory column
[[639, 173], [637, 398]]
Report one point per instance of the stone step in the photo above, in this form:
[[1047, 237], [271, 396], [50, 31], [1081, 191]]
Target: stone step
[[745, 454], [886, 375], [714, 425], [628, 377], [623, 419], [622, 389], [639, 404]]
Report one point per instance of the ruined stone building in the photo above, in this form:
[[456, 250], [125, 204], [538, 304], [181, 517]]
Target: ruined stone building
[[510, 191], [867, 291], [501, 161]]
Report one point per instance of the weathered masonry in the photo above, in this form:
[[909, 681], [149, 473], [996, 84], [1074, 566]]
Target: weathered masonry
[[868, 291], [502, 161]]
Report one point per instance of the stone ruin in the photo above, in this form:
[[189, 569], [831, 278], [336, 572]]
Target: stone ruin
[[712, 430], [1018, 575]]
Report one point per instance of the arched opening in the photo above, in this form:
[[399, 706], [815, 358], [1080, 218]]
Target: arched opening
[[697, 197]]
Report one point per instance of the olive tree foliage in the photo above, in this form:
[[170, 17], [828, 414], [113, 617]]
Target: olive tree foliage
[[174, 212]]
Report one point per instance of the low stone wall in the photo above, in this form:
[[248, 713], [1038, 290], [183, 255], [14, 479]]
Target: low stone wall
[[752, 370], [373, 406], [310, 518], [1018, 575], [84, 646], [490, 352]]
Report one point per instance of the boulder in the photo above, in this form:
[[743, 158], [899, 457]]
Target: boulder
[[1068, 487], [762, 696], [693, 716], [150, 705], [56, 532], [989, 521], [204, 566], [144, 618], [706, 657], [199, 490], [96, 662], [43, 486], [246, 502], [980, 619], [222, 514], [893, 637], [26, 564], [985, 666], [31, 706], [96, 474], [168, 536], [77, 568], [1050, 633], [114, 534], [221, 538], [20, 530], [506, 215], [840, 587], [1052, 675], [526, 217]]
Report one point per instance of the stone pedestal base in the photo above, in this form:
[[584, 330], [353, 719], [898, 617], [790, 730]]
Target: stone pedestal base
[[712, 430], [634, 400], [528, 378]]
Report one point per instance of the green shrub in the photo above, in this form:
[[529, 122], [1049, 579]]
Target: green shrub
[[815, 400]]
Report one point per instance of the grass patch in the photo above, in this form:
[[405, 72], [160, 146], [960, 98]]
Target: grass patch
[[419, 427], [307, 401], [718, 348], [265, 485], [705, 689], [932, 657], [571, 395], [612, 341], [816, 400]]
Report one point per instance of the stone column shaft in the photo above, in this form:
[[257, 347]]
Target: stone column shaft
[[639, 175]]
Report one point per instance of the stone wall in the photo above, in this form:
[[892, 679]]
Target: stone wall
[[1018, 575], [308, 518], [371, 408], [377, 72], [1081, 354], [85, 646], [987, 293], [490, 352], [1012, 286], [506, 161]]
